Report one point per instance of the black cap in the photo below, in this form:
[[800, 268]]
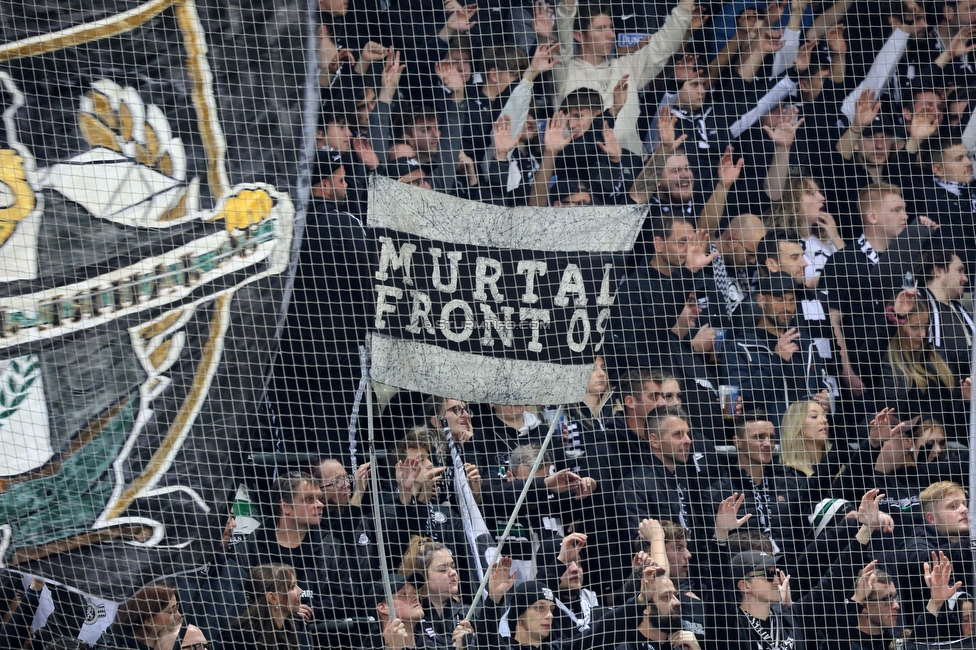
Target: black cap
[[749, 563], [777, 284], [881, 124], [569, 186], [401, 167], [397, 582], [527, 594], [325, 163]]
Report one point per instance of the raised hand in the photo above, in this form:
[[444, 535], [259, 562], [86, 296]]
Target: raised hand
[[727, 519], [361, 478], [865, 108], [770, 41], [905, 302], [543, 22], [937, 580], [868, 512], [786, 346], [501, 579], [543, 60], [620, 95], [649, 529], [728, 172], [570, 547], [880, 426], [557, 136], [407, 472], [835, 39], [666, 132], [374, 51], [784, 133], [610, 145], [502, 135], [364, 151], [804, 54], [699, 16], [428, 482], [961, 44], [461, 19], [390, 78], [786, 598], [865, 583], [698, 256], [473, 475], [774, 11]]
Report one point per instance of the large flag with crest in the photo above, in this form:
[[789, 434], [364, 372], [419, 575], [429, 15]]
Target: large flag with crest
[[149, 157]]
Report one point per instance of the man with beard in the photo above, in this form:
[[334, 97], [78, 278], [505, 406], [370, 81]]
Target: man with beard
[[649, 621], [659, 626]]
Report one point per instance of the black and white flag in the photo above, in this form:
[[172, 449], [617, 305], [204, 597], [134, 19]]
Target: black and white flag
[[492, 304]]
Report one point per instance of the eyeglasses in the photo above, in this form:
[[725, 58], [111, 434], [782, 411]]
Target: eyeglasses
[[458, 409], [771, 573], [889, 599], [172, 609], [196, 646], [339, 482]]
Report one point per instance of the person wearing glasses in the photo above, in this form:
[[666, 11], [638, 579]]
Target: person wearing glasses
[[875, 607], [763, 618], [149, 619], [350, 529]]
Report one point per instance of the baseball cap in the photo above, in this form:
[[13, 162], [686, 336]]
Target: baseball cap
[[748, 563], [881, 124], [325, 163], [377, 593], [401, 167], [777, 284]]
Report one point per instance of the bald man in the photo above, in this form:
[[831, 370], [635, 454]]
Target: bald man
[[728, 278]]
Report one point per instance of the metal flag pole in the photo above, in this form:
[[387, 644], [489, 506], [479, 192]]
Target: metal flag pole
[[518, 505], [972, 450], [375, 487]]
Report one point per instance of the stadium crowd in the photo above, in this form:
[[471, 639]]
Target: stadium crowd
[[772, 449]]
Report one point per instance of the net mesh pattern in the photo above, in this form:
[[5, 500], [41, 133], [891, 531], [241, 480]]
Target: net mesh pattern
[[557, 324]]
